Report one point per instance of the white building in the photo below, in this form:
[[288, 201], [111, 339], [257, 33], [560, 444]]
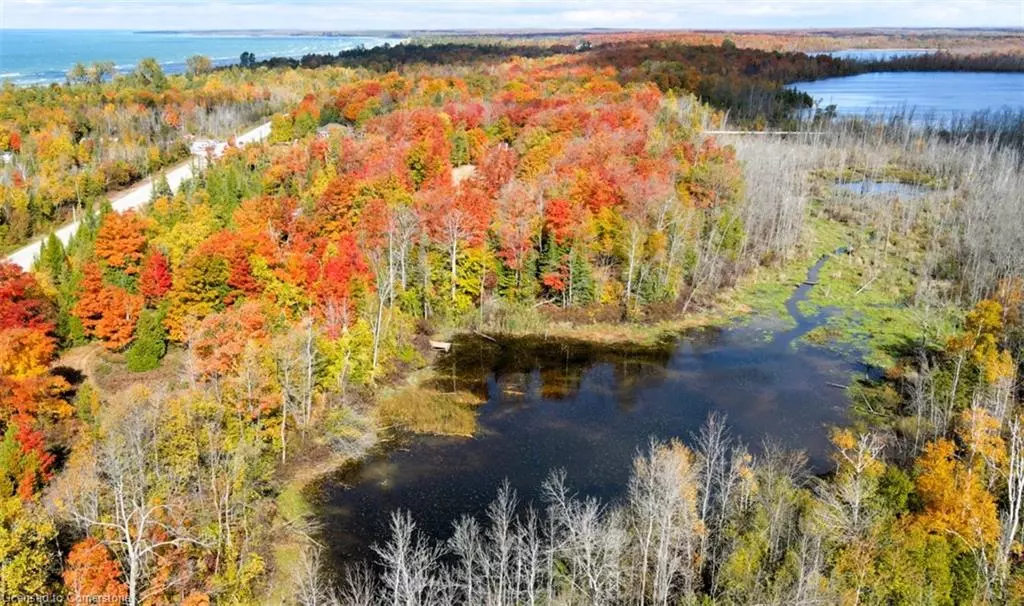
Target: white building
[[206, 148]]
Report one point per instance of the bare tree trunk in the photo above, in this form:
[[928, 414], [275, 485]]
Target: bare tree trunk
[[1011, 517], [453, 251]]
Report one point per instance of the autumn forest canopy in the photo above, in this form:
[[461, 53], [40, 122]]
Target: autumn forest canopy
[[67, 146], [170, 374]]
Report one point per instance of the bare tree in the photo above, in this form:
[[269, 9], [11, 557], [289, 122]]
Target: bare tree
[[1011, 515], [410, 562], [120, 491], [466, 545], [297, 359], [589, 541], [311, 588], [663, 517], [845, 508], [359, 586]]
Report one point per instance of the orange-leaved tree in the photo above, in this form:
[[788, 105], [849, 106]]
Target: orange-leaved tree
[[92, 575], [121, 241], [221, 338], [107, 312]]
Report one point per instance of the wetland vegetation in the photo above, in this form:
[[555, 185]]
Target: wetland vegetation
[[866, 280]]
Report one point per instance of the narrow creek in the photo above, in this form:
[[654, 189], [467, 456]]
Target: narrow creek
[[586, 409]]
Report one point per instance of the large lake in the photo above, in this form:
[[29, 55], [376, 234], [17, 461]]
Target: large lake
[[941, 95], [585, 409], [41, 56], [876, 54]]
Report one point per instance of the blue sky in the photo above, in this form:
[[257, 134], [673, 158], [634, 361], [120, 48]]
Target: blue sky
[[465, 14]]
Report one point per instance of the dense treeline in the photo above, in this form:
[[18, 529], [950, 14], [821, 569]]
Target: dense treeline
[[66, 146], [967, 42], [961, 41], [751, 84], [69, 145], [947, 62], [748, 81], [387, 57]]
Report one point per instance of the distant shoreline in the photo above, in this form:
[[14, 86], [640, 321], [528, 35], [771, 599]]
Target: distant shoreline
[[171, 49], [526, 32], [266, 33]]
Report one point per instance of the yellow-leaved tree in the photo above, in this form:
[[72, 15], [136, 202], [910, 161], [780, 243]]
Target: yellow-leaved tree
[[954, 496]]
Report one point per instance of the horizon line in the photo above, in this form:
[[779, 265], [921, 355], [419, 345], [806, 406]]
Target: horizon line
[[820, 28]]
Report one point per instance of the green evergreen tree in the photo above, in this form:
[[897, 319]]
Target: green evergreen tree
[[581, 284], [150, 343], [329, 113], [69, 327], [304, 124], [52, 258], [161, 188], [460, 148]]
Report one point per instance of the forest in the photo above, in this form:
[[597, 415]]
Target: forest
[[169, 376], [67, 147], [70, 145], [748, 81]]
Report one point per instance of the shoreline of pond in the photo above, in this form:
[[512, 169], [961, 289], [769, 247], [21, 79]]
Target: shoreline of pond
[[645, 363]]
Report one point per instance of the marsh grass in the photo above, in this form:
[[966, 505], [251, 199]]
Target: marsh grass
[[423, 410], [872, 287], [874, 295], [766, 289], [916, 261]]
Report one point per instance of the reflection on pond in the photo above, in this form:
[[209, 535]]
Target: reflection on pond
[[870, 187], [586, 409]]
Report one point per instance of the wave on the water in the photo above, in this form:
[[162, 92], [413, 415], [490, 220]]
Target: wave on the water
[[293, 47]]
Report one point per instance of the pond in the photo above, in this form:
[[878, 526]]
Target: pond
[[931, 95], [588, 409], [886, 189]]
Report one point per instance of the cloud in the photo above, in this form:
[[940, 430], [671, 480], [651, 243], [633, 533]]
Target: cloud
[[592, 17], [498, 14]]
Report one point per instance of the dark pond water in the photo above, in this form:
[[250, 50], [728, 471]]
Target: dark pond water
[[888, 189], [588, 410]]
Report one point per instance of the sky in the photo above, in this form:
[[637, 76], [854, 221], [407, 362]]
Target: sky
[[324, 15]]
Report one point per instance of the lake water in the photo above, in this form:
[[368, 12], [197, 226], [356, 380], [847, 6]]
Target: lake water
[[939, 95], [41, 56], [556, 404], [877, 54]]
